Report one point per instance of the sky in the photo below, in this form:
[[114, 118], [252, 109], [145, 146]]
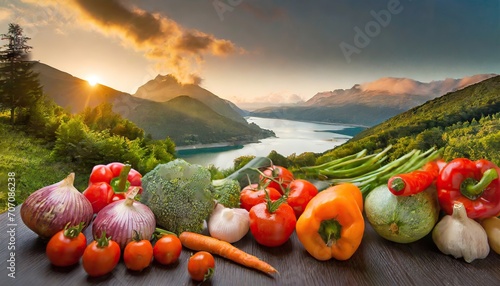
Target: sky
[[259, 50]]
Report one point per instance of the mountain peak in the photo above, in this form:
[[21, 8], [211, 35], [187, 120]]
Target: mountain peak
[[168, 78], [398, 86], [393, 85]]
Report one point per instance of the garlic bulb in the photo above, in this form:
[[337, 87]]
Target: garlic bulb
[[460, 236], [228, 224]]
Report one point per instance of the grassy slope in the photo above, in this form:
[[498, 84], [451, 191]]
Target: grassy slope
[[465, 105], [31, 163]]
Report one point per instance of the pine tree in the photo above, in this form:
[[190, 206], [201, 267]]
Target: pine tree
[[19, 85]]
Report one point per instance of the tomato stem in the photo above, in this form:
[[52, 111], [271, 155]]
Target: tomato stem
[[136, 236], [209, 274], [159, 232], [72, 232], [473, 189], [329, 230], [103, 241]]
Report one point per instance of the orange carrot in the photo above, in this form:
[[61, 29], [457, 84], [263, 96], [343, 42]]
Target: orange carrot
[[199, 242]]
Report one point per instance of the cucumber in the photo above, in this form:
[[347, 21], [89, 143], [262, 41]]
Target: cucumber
[[402, 219]]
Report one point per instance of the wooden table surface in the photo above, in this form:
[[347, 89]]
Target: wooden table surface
[[376, 262]]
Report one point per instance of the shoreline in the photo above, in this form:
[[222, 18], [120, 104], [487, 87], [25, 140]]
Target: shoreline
[[240, 144], [318, 122]]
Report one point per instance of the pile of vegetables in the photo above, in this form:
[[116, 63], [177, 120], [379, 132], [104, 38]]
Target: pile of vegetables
[[177, 204], [370, 171]]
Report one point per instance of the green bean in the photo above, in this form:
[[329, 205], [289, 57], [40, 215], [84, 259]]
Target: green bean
[[360, 154], [371, 164]]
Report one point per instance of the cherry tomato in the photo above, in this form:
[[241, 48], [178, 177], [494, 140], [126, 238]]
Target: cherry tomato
[[254, 194], [101, 256], [272, 228], [201, 266], [99, 195], [167, 249], [66, 247], [300, 193], [138, 254], [281, 175], [100, 173]]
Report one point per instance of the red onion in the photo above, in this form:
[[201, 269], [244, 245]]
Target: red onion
[[122, 218], [49, 209]]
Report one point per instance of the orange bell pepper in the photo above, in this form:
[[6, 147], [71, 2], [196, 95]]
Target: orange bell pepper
[[332, 224]]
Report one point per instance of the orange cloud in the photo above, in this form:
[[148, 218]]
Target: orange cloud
[[160, 38]]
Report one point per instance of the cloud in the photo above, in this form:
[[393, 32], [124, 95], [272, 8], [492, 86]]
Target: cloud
[[393, 85], [172, 46], [5, 14]]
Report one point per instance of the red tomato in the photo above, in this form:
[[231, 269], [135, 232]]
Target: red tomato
[[201, 266], [138, 255], [301, 192], [100, 173], [272, 228], [100, 259], [99, 195], [282, 178], [167, 249], [66, 247], [253, 194]]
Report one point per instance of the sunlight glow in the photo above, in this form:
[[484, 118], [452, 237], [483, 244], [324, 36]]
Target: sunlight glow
[[92, 80]]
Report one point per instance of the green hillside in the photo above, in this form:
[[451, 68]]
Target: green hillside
[[30, 161], [465, 123], [188, 121], [222, 122]]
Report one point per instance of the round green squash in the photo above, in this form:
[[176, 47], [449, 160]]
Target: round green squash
[[402, 219]]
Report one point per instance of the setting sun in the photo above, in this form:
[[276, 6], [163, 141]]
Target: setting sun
[[92, 80]]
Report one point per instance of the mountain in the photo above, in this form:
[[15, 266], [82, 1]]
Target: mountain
[[71, 92], [189, 121], [369, 103], [464, 122], [202, 118], [167, 87]]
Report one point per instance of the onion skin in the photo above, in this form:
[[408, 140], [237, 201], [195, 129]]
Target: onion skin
[[49, 209], [121, 218]]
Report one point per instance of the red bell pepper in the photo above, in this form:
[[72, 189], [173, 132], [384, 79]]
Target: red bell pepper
[[476, 184], [108, 183], [120, 176]]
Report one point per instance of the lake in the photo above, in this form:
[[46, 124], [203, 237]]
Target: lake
[[291, 137]]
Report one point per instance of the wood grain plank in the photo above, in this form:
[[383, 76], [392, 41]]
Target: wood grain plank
[[376, 262]]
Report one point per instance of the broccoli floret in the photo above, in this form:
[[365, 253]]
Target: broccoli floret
[[227, 192], [179, 194]]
